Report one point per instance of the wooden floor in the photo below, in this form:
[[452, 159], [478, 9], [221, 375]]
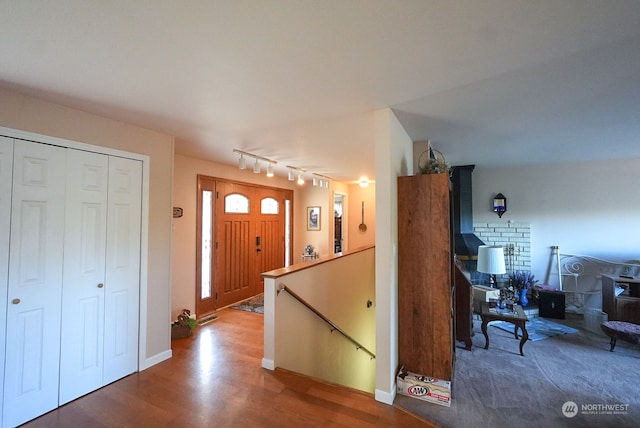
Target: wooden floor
[[215, 380]]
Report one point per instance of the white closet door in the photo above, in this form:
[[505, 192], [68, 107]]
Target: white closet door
[[6, 178], [122, 283], [35, 282], [81, 359]]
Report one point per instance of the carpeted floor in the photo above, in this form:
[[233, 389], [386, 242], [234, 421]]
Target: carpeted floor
[[499, 388], [254, 304], [537, 328]]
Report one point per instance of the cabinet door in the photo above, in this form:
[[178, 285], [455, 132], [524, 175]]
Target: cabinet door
[[35, 282], [6, 174], [628, 309], [81, 359], [122, 284]]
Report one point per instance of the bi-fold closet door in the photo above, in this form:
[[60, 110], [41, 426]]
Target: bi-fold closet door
[[74, 266]]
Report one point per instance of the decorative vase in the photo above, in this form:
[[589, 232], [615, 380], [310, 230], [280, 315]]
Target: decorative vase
[[523, 297]]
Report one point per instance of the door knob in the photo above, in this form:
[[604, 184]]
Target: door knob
[[100, 285], [15, 301]]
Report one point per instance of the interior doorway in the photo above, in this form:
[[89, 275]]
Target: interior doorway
[[339, 205], [242, 231]]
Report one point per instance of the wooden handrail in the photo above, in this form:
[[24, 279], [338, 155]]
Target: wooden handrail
[[325, 319]]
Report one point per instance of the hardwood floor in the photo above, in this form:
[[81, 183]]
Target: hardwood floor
[[215, 380]]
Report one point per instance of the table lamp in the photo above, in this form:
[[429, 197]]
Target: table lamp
[[491, 261]]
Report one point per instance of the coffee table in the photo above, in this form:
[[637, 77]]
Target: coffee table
[[517, 317]]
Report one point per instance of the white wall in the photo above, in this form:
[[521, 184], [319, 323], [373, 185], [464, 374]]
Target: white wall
[[184, 228], [394, 154], [357, 195], [30, 114], [590, 208], [298, 340]]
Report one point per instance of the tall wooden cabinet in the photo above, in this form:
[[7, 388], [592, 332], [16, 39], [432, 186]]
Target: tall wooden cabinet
[[425, 293]]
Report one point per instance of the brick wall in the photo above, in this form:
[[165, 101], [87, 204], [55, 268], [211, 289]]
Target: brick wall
[[514, 237]]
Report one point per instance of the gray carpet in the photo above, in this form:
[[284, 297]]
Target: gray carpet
[[537, 328], [499, 388]]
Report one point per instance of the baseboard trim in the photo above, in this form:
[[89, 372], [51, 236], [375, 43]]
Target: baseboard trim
[[158, 358], [385, 396], [268, 364]]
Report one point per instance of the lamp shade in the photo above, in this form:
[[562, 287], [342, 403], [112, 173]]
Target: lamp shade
[[491, 259]]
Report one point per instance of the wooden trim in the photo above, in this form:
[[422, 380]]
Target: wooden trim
[[306, 265]]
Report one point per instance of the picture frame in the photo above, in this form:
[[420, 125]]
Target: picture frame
[[313, 218]]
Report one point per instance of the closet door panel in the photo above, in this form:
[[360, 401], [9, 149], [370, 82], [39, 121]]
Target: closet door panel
[[122, 284], [81, 360], [35, 282], [6, 178]]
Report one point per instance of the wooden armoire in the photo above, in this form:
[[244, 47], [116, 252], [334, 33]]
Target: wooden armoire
[[425, 292]]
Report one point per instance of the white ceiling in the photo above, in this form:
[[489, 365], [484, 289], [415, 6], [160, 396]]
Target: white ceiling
[[490, 82]]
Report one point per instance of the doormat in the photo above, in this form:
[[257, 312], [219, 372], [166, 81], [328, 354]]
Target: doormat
[[254, 304], [538, 328]]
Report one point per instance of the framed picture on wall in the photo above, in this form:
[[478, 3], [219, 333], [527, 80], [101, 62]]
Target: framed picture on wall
[[313, 218]]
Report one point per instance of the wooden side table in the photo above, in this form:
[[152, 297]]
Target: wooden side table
[[518, 318]]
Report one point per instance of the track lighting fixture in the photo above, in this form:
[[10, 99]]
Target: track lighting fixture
[[294, 173], [242, 162]]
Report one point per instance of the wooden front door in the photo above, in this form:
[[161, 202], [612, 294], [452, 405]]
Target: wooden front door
[[247, 227]]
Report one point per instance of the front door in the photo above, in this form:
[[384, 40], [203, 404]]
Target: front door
[[241, 233]]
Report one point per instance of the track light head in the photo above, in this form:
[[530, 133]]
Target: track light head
[[270, 170], [242, 162]]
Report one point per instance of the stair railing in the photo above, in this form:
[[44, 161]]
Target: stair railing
[[333, 326]]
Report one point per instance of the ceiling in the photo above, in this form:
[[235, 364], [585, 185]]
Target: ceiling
[[489, 82]]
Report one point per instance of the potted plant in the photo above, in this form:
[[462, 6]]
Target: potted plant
[[184, 326], [522, 281]]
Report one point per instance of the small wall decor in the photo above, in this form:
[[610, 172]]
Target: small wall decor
[[177, 212], [500, 204], [313, 218]]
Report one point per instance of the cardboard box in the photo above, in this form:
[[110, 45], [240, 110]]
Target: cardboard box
[[483, 293], [424, 388]]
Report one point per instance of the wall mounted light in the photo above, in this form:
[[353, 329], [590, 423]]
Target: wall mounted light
[[499, 204]]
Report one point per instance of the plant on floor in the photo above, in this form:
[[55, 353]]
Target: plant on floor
[[184, 326]]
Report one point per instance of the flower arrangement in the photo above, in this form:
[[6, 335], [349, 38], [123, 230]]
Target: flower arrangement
[[522, 279], [435, 163], [508, 294]]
